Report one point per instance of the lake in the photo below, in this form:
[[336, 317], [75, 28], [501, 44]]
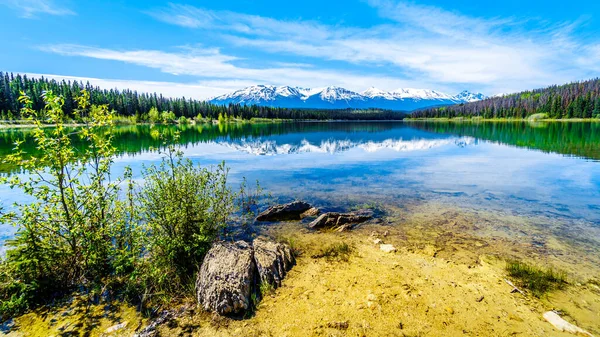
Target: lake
[[541, 179]]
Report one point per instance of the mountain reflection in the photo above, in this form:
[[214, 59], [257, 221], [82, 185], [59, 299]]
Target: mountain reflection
[[262, 147], [571, 139]]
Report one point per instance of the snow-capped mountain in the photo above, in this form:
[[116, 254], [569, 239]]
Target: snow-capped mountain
[[467, 96], [404, 99]]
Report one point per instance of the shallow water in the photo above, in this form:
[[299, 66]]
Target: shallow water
[[548, 171]]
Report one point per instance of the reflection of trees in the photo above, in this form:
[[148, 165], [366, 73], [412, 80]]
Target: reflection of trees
[[568, 138], [133, 139], [577, 139]]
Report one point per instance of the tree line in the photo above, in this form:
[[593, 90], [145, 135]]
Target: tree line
[[145, 106], [573, 100]]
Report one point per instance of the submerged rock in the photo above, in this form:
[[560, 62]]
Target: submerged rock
[[226, 278], [291, 211], [164, 317], [562, 325], [341, 221], [232, 272], [116, 327], [388, 248]]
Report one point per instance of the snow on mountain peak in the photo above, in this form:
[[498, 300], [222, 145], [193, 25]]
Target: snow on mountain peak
[[467, 96], [373, 92], [421, 94], [334, 97], [336, 93]]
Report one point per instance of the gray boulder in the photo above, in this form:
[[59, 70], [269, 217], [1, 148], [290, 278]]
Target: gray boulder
[[226, 278], [341, 221], [291, 211], [232, 272], [273, 260]]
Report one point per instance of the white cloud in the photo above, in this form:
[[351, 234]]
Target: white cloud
[[427, 44], [199, 90], [216, 68], [30, 8]]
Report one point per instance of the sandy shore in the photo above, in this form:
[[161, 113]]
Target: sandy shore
[[446, 279]]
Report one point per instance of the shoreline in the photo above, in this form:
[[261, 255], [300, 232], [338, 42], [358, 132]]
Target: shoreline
[[447, 278], [4, 126], [502, 120]]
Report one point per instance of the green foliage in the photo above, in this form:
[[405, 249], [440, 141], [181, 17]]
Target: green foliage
[[155, 108], [185, 207], [573, 100], [335, 252], [153, 115], [539, 281], [266, 289], [168, 117], [183, 120], [71, 233], [88, 230]]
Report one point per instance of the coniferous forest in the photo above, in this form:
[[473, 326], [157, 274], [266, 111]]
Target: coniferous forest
[[129, 103], [573, 100]]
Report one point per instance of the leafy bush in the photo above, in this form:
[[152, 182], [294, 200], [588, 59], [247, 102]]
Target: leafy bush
[[184, 207], [88, 230], [77, 231]]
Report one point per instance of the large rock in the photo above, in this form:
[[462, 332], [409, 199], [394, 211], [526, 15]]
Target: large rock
[[291, 211], [227, 277], [232, 272], [341, 221], [273, 260]]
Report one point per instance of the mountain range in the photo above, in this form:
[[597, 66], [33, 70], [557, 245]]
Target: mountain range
[[340, 98]]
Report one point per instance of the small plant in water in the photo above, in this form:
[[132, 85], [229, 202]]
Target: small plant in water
[[338, 251], [537, 280]]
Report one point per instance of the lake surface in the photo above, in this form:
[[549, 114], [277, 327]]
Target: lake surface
[[545, 171]]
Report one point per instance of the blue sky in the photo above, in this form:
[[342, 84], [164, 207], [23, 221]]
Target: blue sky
[[205, 48]]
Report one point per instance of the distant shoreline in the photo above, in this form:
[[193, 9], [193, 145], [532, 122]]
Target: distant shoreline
[[507, 120], [406, 120]]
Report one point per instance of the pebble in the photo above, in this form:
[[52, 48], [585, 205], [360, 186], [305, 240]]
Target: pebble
[[116, 327], [388, 248]]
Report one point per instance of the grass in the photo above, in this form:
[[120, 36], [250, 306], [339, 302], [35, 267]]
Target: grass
[[535, 279], [266, 289], [335, 252]]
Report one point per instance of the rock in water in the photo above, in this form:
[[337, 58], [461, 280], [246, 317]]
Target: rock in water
[[387, 248], [562, 325], [226, 278], [116, 327], [341, 220], [291, 211], [273, 260], [310, 212]]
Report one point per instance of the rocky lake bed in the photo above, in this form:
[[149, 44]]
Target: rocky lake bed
[[410, 271]]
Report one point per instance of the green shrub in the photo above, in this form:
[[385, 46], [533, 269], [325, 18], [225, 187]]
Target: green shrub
[[539, 281], [184, 207], [87, 230], [335, 252], [77, 231]]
